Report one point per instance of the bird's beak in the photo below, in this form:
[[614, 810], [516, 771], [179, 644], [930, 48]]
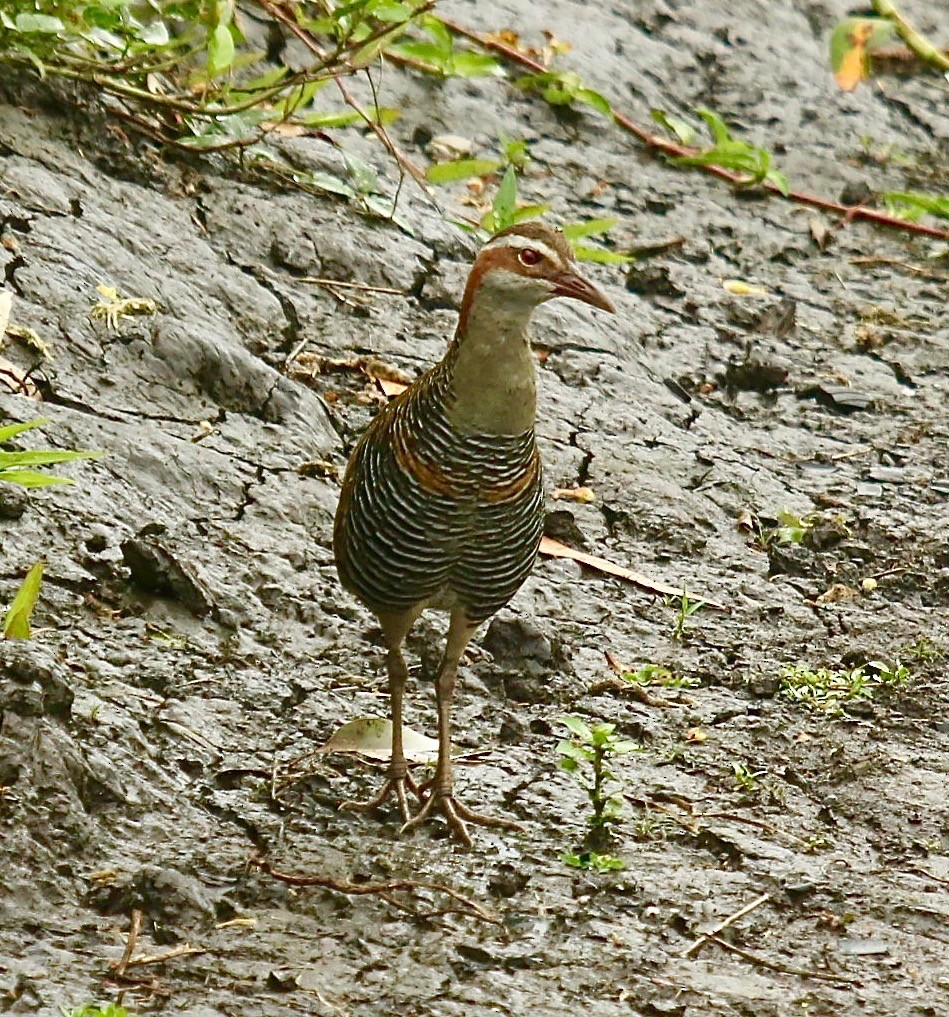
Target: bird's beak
[[570, 283]]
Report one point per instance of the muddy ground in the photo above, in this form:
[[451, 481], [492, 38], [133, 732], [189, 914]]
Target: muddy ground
[[194, 636]]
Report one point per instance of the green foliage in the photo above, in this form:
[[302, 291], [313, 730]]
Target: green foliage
[[16, 467], [851, 41], [726, 151], [564, 88], [513, 153], [828, 691], [91, 1010], [438, 53], [593, 860], [504, 209], [680, 129], [913, 205], [16, 624], [790, 529], [746, 781], [657, 674], [577, 231], [586, 755], [687, 607]]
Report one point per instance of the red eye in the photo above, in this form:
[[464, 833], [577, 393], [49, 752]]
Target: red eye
[[528, 256]]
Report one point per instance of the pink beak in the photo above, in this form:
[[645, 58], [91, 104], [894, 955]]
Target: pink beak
[[570, 283]]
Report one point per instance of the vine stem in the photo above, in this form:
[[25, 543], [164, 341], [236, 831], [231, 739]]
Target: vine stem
[[918, 43], [669, 147]]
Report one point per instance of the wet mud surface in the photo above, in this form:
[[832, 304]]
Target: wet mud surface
[[194, 636]]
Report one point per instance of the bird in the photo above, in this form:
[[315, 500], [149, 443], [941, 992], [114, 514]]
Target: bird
[[441, 505]]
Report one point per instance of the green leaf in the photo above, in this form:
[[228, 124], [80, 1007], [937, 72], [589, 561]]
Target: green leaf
[[38, 24], [155, 34], [220, 50], [505, 200], [422, 52], [390, 10], [779, 180], [39, 458], [600, 256], [326, 182], [913, 204], [588, 228], [16, 625], [602, 733], [680, 129], [526, 212], [363, 176], [465, 63], [30, 478], [599, 102], [578, 726], [460, 169], [11, 430], [437, 30], [717, 126]]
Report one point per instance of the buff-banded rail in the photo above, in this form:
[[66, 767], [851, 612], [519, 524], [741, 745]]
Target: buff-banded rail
[[442, 504]]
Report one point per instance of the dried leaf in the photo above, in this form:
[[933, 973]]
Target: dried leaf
[[582, 494], [554, 549], [821, 233], [837, 592], [743, 289], [372, 737], [390, 388], [696, 734]]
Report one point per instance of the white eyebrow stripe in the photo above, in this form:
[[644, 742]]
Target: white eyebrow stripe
[[520, 243]]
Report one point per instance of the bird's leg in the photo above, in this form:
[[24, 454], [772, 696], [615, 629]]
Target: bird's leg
[[460, 631], [398, 778]]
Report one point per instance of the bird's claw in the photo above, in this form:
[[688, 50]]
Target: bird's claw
[[394, 785], [457, 815]]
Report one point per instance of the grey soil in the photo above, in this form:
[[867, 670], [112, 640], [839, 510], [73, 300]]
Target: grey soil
[[193, 634]]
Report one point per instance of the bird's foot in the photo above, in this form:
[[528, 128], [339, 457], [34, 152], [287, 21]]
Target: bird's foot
[[458, 815], [396, 784]]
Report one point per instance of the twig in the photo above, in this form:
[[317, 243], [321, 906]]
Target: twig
[[919, 44], [724, 923], [336, 283], [658, 143], [380, 132], [385, 890], [185, 950], [784, 969], [135, 927], [915, 269]]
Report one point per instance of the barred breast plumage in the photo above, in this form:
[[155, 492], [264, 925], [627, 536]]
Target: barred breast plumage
[[430, 514]]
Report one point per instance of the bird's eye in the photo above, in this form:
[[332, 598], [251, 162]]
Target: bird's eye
[[528, 256]]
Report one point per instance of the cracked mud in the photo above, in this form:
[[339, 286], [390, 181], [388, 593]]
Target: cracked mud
[[193, 636]]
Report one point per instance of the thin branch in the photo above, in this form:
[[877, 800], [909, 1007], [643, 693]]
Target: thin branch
[[784, 969], [470, 907], [919, 44], [724, 923], [669, 147]]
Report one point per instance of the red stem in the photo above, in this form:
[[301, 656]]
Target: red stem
[[661, 144]]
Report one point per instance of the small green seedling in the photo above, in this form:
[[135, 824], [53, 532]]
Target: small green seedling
[[564, 88], [746, 781], [587, 755], [657, 674], [90, 1010], [513, 153], [687, 608], [827, 691], [594, 860]]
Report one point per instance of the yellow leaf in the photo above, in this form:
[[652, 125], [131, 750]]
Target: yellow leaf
[[855, 66], [743, 289], [108, 291], [581, 494], [696, 734]]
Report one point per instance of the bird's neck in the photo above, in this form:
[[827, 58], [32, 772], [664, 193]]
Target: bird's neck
[[491, 370]]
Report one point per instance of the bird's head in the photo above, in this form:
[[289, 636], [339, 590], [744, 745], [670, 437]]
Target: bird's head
[[525, 265]]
